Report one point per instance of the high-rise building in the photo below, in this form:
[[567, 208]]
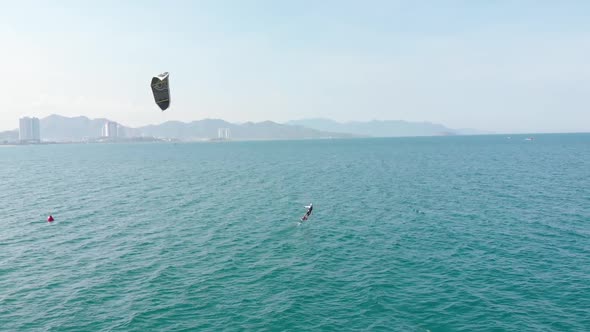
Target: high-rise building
[[28, 130], [121, 131], [223, 134], [109, 129]]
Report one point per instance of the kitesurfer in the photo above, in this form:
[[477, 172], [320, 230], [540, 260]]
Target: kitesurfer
[[308, 213]]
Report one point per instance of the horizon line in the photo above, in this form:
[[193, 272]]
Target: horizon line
[[484, 132]]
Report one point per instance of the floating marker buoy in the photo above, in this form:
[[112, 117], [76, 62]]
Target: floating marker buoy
[[50, 218]]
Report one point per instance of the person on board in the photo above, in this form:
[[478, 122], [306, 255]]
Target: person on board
[[308, 213]]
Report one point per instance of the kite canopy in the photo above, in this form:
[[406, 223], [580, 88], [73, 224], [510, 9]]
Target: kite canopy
[[161, 90]]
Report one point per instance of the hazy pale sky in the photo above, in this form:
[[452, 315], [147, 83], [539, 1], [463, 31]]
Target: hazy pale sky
[[505, 66]]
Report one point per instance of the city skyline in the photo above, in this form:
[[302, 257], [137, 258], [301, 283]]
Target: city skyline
[[58, 128], [502, 67]]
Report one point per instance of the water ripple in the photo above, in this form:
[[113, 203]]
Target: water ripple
[[421, 234]]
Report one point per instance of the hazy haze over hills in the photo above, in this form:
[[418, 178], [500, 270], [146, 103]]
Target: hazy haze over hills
[[389, 128], [8, 136], [207, 128], [60, 128]]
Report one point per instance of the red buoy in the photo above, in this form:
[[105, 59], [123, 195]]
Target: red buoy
[[50, 218]]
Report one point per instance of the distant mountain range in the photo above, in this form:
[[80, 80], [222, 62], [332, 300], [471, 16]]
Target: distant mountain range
[[8, 136], [60, 128], [207, 128], [391, 128]]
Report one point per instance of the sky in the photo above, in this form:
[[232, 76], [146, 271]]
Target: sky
[[502, 66]]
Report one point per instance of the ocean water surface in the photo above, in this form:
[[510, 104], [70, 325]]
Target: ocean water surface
[[466, 233]]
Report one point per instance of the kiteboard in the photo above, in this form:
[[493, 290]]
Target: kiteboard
[[161, 90]]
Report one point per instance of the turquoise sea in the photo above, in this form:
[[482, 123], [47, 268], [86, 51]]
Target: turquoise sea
[[472, 233]]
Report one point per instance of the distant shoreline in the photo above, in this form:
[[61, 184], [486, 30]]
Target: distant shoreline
[[207, 140]]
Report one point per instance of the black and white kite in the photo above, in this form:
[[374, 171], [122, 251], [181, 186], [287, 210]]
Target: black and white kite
[[161, 90]]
